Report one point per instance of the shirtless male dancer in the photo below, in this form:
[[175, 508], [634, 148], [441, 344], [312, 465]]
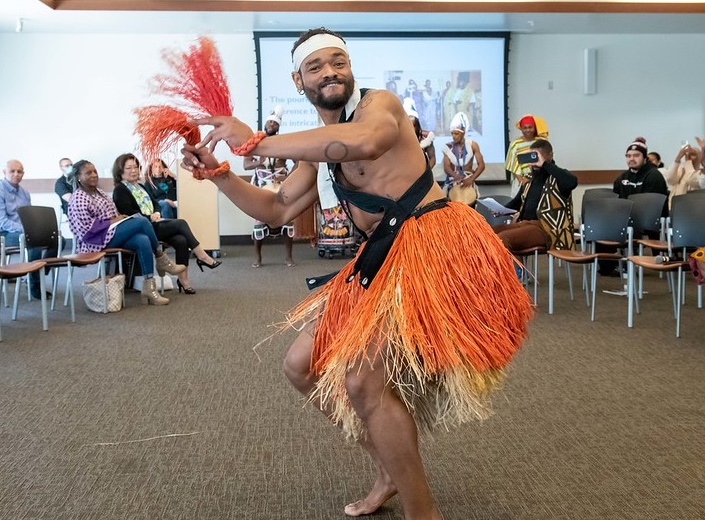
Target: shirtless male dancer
[[373, 356]]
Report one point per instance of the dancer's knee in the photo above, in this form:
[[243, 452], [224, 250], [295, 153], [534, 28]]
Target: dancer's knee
[[297, 363], [365, 388], [299, 373]]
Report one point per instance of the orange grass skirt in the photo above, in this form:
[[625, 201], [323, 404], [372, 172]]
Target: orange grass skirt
[[445, 311]]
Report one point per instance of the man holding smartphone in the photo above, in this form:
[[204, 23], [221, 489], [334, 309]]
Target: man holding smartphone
[[548, 193]]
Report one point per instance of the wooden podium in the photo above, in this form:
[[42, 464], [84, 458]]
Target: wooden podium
[[198, 205], [305, 225]]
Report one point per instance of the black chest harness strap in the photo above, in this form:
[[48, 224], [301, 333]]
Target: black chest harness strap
[[380, 242]]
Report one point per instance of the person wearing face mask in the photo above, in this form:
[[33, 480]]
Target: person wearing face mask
[[66, 184]]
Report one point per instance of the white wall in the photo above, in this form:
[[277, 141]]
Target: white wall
[[647, 85], [73, 95]]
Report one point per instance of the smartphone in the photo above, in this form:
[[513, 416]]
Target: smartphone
[[528, 157]]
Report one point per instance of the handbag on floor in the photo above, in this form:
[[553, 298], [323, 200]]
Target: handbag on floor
[[697, 265], [93, 293]]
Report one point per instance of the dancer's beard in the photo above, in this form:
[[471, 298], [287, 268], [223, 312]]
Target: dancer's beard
[[334, 102]]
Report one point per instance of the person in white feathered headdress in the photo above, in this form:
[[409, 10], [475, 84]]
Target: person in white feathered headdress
[[425, 137], [269, 173], [460, 155]]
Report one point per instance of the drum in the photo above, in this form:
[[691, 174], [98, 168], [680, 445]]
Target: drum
[[464, 194]]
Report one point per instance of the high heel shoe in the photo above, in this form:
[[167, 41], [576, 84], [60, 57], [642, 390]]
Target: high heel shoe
[[201, 264], [187, 290]]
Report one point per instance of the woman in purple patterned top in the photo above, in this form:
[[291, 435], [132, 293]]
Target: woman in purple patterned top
[[96, 225]]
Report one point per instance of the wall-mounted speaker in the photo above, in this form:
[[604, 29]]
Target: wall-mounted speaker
[[590, 71]]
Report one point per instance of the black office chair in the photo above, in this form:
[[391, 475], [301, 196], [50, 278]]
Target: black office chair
[[647, 213], [6, 254], [686, 232], [606, 222], [647, 219], [595, 193], [41, 231]]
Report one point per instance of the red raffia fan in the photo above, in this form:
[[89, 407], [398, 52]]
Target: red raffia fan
[[199, 88]]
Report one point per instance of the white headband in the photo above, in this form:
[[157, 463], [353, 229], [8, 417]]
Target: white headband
[[313, 44]]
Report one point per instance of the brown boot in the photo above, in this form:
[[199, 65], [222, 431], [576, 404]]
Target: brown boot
[[165, 265], [150, 293]]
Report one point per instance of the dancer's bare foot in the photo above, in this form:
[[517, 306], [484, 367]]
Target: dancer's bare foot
[[382, 491]]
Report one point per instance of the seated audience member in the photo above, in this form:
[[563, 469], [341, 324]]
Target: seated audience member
[[655, 159], [640, 177], [544, 206], [685, 177], [460, 155], [12, 197], [131, 198], [160, 183], [66, 184], [701, 178], [96, 224]]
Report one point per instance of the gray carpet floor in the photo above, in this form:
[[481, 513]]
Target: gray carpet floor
[[169, 412]]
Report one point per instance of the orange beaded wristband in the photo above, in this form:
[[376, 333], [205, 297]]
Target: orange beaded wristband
[[252, 143]]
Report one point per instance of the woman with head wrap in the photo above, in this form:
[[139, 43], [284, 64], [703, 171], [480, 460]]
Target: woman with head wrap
[[532, 127]]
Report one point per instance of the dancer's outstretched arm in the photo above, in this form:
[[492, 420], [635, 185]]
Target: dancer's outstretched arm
[[296, 194]]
